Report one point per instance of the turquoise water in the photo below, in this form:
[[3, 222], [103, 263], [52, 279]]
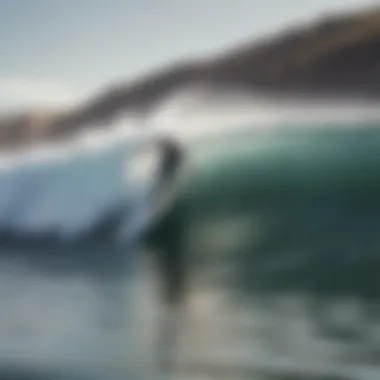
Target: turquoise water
[[279, 239], [281, 245]]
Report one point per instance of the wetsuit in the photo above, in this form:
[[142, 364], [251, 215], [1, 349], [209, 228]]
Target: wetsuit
[[172, 158], [166, 235]]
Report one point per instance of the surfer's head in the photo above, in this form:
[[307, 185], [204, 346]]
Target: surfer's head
[[168, 142]]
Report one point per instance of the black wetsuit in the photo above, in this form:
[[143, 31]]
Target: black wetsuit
[[166, 235], [171, 161]]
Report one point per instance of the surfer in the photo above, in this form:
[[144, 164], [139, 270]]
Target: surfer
[[165, 237], [171, 160], [170, 224]]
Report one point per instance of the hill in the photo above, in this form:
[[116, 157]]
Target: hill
[[336, 56]]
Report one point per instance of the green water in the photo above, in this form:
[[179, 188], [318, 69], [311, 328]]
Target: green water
[[310, 194], [263, 216]]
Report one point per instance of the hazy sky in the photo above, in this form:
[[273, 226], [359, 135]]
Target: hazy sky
[[56, 51]]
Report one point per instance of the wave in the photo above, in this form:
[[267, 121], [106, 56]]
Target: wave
[[64, 192]]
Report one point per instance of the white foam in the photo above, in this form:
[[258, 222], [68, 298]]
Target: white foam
[[68, 186]]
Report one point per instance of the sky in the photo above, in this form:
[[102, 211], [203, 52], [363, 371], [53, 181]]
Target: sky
[[58, 52]]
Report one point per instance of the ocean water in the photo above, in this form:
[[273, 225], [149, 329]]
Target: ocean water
[[282, 252], [281, 247], [73, 292], [76, 326]]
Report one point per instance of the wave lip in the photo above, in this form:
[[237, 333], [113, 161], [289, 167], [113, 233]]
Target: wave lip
[[69, 189]]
